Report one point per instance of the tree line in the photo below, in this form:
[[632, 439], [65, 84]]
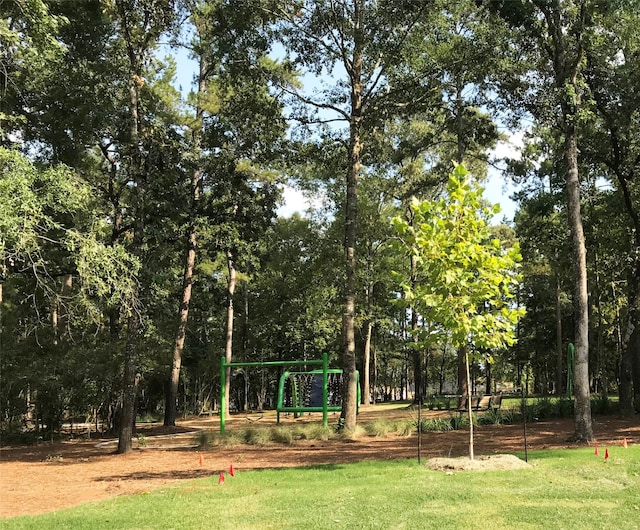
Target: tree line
[[139, 240]]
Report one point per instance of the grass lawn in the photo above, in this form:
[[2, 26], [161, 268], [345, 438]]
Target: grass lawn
[[563, 489]]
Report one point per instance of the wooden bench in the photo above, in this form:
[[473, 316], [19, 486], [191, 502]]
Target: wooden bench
[[481, 404]]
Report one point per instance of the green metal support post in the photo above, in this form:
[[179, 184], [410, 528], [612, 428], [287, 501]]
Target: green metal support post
[[223, 395], [325, 390]]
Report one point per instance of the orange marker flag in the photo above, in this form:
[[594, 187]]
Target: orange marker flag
[[606, 453], [231, 471], [201, 460], [597, 451], [221, 479], [624, 443]]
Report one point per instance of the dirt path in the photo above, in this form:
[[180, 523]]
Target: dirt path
[[51, 476]]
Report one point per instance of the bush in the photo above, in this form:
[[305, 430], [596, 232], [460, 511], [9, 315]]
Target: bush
[[358, 432], [436, 425], [565, 408], [313, 431], [511, 416], [379, 427], [282, 435], [492, 417], [601, 404], [13, 433], [252, 436], [459, 421], [543, 409], [406, 428], [206, 439]]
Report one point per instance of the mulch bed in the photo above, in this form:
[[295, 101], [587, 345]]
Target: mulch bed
[[51, 476]]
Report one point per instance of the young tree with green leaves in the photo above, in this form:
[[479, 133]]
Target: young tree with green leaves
[[466, 280]]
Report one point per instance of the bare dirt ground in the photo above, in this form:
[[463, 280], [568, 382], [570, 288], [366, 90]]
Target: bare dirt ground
[[51, 476]]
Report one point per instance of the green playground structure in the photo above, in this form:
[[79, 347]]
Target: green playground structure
[[311, 391], [308, 392]]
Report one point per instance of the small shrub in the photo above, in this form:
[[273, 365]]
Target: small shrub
[[227, 439], [492, 417], [459, 421], [436, 425], [149, 417], [406, 428], [511, 415], [543, 408], [314, 431], [142, 440], [205, 439], [13, 433], [282, 435], [565, 407], [358, 432], [379, 427], [601, 404], [421, 426], [252, 436]]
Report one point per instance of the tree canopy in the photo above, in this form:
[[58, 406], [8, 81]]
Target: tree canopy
[[139, 234]]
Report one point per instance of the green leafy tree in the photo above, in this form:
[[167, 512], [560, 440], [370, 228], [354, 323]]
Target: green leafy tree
[[28, 47], [139, 25], [50, 229], [235, 125], [356, 41], [552, 37], [611, 145], [466, 279]]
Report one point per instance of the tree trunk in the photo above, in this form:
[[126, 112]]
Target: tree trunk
[[629, 390], [488, 378], [1, 325], [583, 425], [178, 345], [599, 349], [231, 287], [566, 67], [465, 354], [416, 354], [464, 383], [170, 411], [128, 418], [366, 362], [375, 373], [350, 389], [631, 343], [128, 413], [441, 375]]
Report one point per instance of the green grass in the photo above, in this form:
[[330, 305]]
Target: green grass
[[564, 489]]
